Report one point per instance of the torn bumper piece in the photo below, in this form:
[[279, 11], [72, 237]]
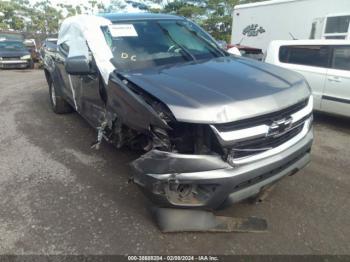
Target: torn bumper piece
[[187, 220], [206, 181]]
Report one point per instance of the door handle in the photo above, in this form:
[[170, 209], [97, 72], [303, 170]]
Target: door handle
[[334, 79]]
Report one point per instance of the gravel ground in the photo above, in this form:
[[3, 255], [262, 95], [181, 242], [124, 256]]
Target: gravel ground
[[57, 196]]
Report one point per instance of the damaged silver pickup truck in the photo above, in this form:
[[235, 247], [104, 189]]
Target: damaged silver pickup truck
[[215, 128]]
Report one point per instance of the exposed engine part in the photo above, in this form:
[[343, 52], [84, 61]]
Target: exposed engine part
[[193, 139], [173, 137], [120, 135], [160, 139]]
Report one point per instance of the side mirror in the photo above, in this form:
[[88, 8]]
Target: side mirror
[[77, 65]]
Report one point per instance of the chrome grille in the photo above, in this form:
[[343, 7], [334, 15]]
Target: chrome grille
[[259, 145], [268, 134], [260, 120]]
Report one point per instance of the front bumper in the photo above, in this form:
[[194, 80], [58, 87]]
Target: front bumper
[[207, 181], [14, 63]]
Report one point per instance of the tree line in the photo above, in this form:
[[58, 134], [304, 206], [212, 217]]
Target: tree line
[[42, 17]]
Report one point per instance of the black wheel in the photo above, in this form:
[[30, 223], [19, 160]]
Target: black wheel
[[58, 104]]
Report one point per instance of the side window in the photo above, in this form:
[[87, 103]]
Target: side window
[[305, 55], [337, 24], [64, 48], [341, 58]]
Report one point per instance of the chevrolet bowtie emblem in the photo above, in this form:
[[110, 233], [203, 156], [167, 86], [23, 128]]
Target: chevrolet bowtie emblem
[[280, 126]]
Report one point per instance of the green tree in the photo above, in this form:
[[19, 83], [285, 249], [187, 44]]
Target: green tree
[[190, 9], [250, 1], [69, 10], [13, 14], [219, 21], [215, 16], [114, 6], [44, 18]]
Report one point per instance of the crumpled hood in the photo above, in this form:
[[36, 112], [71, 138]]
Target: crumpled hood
[[13, 53], [223, 89]]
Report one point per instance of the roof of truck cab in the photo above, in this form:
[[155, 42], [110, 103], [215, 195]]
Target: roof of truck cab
[[115, 17], [311, 42]]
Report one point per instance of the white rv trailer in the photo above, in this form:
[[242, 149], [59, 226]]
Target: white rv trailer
[[257, 24]]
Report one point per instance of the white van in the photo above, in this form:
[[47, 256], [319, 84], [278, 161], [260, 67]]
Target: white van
[[326, 66]]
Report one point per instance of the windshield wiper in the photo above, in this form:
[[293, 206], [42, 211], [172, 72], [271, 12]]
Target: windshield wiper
[[184, 49], [203, 39]]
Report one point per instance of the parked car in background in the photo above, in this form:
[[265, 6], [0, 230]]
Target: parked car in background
[[214, 128], [48, 46], [325, 64], [13, 54], [32, 48]]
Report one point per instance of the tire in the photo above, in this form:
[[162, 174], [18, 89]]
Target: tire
[[58, 104]]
